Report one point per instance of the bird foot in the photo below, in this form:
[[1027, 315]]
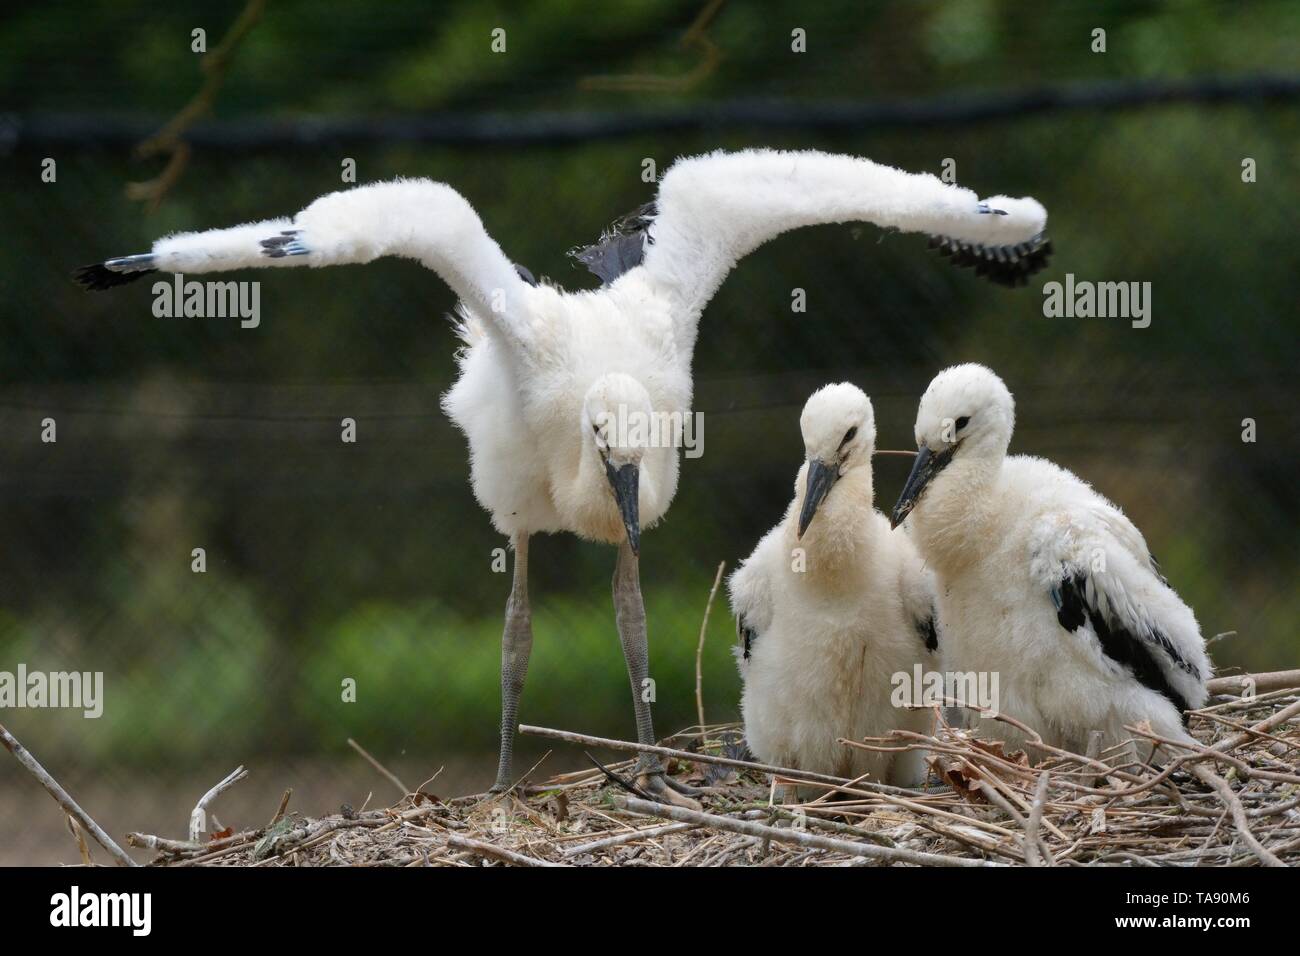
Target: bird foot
[[685, 789], [498, 790], [502, 805], [663, 788]]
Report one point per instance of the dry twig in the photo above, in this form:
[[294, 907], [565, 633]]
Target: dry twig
[[699, 649], [403, 790], [199, 815], [1101, 808], [61, 796]]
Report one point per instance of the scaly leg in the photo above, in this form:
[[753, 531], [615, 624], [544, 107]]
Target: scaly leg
[[516, 646], [629, 612]]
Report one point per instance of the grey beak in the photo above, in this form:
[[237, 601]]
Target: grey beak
[[926, 466], [821, 477], [625, 481]]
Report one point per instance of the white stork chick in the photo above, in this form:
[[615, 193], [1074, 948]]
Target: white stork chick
[[1042, 580], [830, 607], [555, 386]]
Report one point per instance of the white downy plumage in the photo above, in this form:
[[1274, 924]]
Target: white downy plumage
[[829, 618], [550, 377], [1042, 580]]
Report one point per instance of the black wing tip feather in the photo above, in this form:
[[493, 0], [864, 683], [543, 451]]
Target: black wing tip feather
[[621, 247], [97, 277], [1009, 266]]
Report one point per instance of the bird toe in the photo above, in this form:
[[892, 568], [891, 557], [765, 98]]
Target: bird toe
[[656, 786]]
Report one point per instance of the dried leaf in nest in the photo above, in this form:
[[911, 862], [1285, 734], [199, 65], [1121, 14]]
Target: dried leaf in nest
[[995, 748], [221, 834], [560, 807], [957, 772], [952, 771]]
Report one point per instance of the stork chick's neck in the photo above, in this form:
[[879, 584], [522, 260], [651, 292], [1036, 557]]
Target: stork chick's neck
[[956, 521], [840, 543]]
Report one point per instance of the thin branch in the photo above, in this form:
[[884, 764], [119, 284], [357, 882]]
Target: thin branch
[[61, 796], [199, 815], [284, 805], [493, 851], [1032, 845], [697, 36], [629, 836], [627, 745], [1260, 683], [782, 835], [165, 845], [1221, 787], [699, 649], [168, 140], [378, 766]]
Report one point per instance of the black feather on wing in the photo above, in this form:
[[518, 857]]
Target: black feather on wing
[[1131, 651], [928, 633], [98, 277], [747, 636], [621, 247], [1010, 266]]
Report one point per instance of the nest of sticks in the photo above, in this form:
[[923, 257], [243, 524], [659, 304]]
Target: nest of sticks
[[1232, 801]]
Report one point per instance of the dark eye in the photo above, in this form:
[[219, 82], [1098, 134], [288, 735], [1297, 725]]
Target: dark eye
[[963, 422], [848, 435]]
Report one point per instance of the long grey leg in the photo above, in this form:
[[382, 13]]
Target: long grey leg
[[629, 612], [516, 646]]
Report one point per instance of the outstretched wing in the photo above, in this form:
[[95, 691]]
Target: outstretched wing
[[415, 219], [713, 210], [1107, 594]]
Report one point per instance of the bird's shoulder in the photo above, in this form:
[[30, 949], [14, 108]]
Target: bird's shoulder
[[1040, 480], [1073, 525], [750, 590], [916, 586]]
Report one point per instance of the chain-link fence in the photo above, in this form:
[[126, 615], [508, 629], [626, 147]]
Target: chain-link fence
[[132, 440]]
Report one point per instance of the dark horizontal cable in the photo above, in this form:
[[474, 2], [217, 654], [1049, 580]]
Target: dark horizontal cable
[[555, 127]]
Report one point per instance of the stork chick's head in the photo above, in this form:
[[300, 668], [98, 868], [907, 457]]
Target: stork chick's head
[[966, 415], [619, 423], [839, 435]]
